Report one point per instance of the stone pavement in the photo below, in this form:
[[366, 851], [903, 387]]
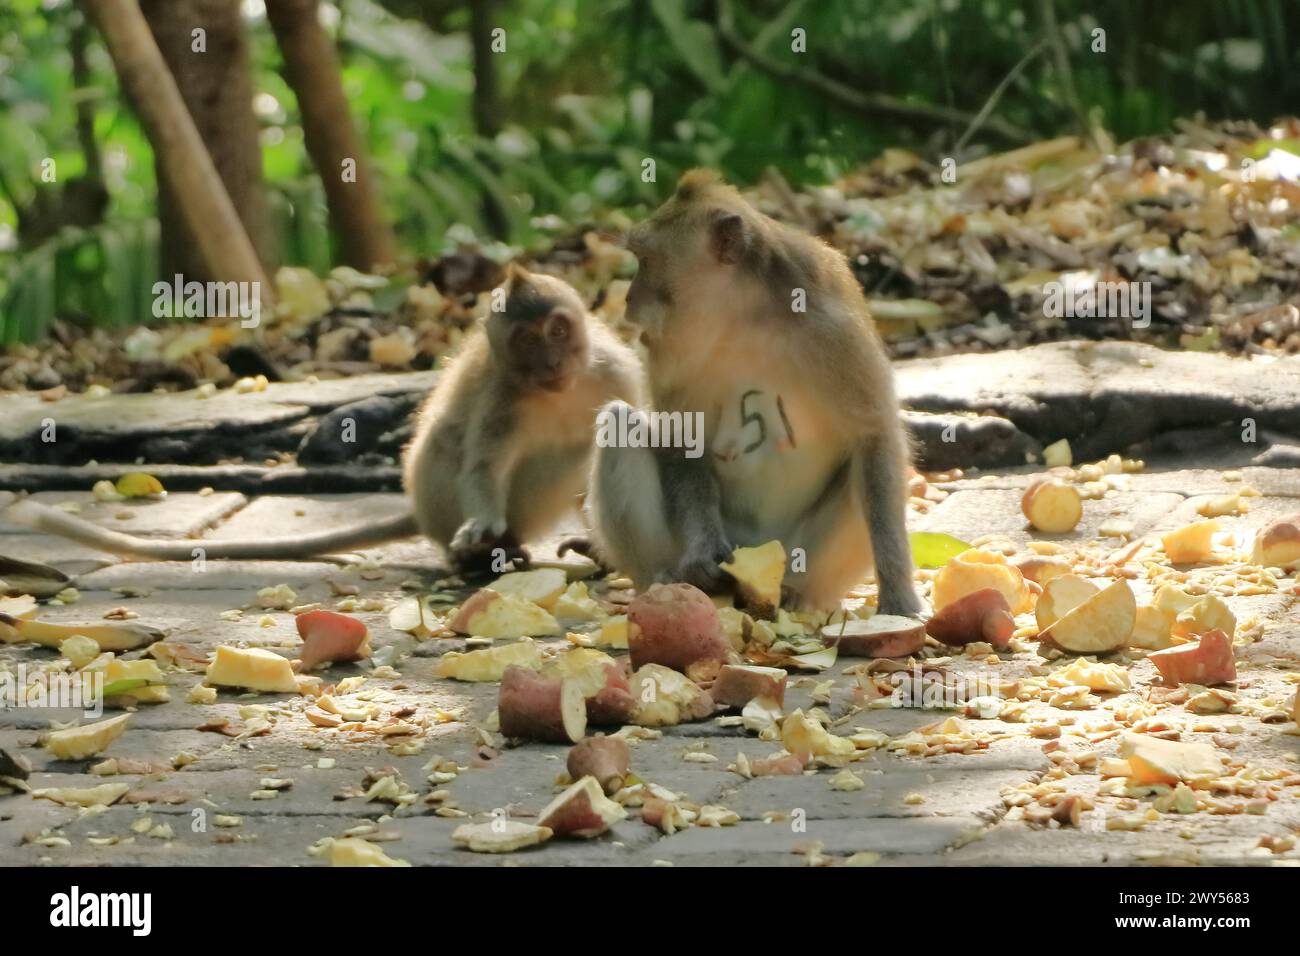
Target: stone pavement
[[945, 809]]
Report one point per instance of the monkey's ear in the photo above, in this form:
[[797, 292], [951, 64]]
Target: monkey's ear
[[516, 275], [727, 235]]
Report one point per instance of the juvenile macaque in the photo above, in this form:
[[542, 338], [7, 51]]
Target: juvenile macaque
[[765, 331], [501, 450]]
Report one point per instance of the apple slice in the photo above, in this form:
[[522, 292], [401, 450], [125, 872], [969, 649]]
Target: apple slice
[[251, 668], [1208, 662], [758, 572], [1154, 760], [491, 614], [1100, 624], [500, 836], [1051, 505], [1061, 595], [738, 684], [883, 635], [982, 615], [1191, 543], [1277, 544], [541, 586], [78, 743], [581, 811], [328, 636]]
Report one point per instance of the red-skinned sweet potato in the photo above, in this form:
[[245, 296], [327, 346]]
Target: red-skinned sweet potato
[[885, 635], [605, 758], [982, 615], [330, 636], [581, 811], [675, 625], [1208, 662], [534, 706], [738, 684]]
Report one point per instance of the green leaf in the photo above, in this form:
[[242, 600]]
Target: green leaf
[[933, 549], [694, 41], [124, 686]]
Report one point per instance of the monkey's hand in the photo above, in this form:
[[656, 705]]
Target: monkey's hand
[[475, 539], [700, 566]]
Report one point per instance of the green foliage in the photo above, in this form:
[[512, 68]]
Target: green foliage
[[590, 89]]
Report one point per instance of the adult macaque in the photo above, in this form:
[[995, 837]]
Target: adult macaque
[[765, 331], [501, 450]]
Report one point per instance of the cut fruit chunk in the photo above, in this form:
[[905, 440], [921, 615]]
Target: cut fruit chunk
[[581, 811], [1040, 568], [533, 706], [500, 836], [489, 663], [110, 637], [1277, 544], [883, 635], [78, 743], [1100, 624], [1150, 629], [1191, 543], [1153, 760], [979, 616], [975, 570], [328, 637], [758, 572], [577, 605], [738, 684], [805, 737], [541, 586], [1208, 662], [605, 758], [613, 631], [1051, 505], [251, 668], [665, 698], [1209, 613], [350, 851], [1060, 596], [142, 680], [603, 682], [493, 615]]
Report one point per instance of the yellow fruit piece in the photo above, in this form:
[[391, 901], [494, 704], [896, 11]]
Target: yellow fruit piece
[[1052, 506], [759, 572], [1058, 454], [801, 734], [974, 570], [576, 604], [1110, 678], [1061, 595], [1209, 613], [251, 668], [1100, 624], [490, 663], [155, 691], [494, 615], [79, 650], [585, 667], [106, 794], [1153, 760], [542, 586], [137, 484], [1150, 629], [500, 836], [665, 698], [351, 851], [1191, 543], [78, 743], [613, 631], [1277, 544], [109, 637]]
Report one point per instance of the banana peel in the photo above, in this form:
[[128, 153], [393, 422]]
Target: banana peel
[[110, 637], [29, 577]]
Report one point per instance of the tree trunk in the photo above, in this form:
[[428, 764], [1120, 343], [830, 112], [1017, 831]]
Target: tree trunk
[[216, 84], [312, 71], [220, 241], [487, 111]]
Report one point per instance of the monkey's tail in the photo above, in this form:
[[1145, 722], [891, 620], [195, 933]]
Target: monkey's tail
[[43, 518]]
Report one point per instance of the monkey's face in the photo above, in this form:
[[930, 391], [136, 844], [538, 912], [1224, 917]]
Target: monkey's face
[[548, 353], [686, 257], [653, 293]]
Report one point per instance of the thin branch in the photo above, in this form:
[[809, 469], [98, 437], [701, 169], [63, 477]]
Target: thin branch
[[996, 95], [868, 104]]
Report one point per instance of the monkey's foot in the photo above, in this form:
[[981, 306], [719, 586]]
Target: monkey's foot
[[581, 544]]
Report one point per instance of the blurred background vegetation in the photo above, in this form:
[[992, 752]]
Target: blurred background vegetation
[[584, 91]]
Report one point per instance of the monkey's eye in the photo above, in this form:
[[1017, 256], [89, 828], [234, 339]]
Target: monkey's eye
[[557, 329]]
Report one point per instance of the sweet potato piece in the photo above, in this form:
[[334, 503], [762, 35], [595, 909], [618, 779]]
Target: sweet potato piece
[[1061, 595], [974, 570], [758, 573], [675, 625], [664, 697], [605, 758], [1191, 543], [1277, 544], [1208, 662], [490, 614], [613, 703], [778, 765], [884, 635], [534, 706], [1039, 568], [982, 615], [330, 636], [581, 811], [738, 684], [1100, 624], [1051, 505]]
